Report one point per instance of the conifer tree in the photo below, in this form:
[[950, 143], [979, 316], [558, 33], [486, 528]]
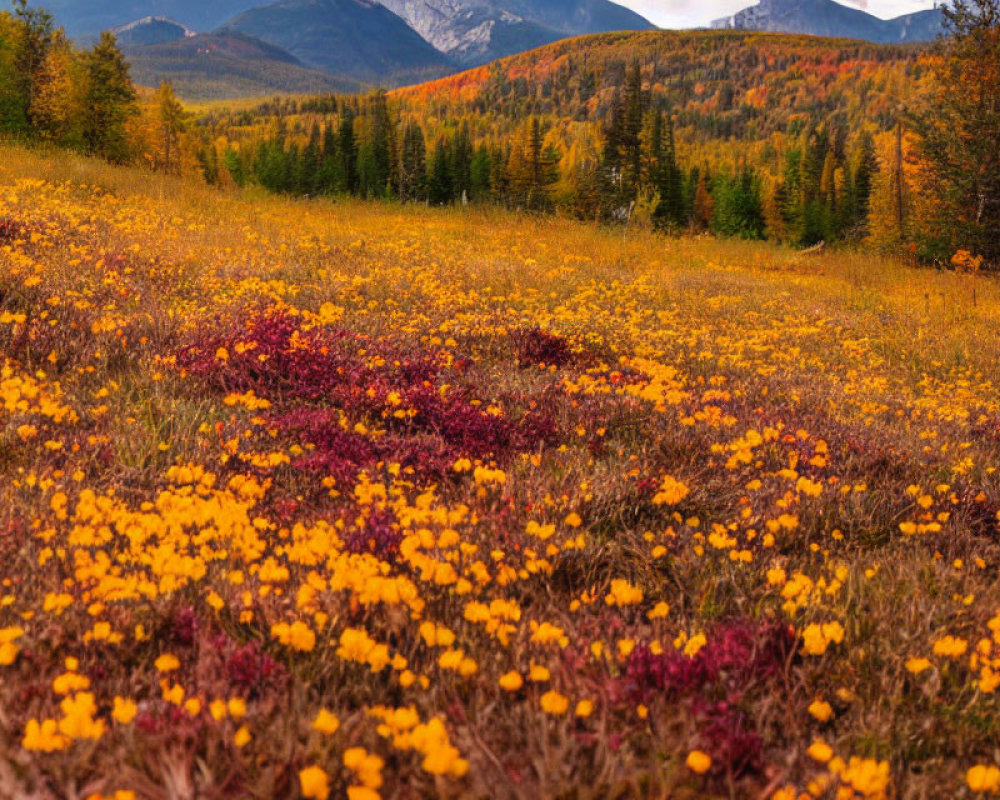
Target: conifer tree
[[32, 47], [959, 128], [348, 152], [308, 170], [109, 101], [479, 173], [439, 186], [413, 164]]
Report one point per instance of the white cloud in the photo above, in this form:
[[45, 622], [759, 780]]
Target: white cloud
[[694, 13]]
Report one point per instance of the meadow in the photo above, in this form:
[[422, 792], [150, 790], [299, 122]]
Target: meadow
[[343, 499]]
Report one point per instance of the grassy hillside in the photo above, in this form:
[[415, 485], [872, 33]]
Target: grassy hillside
[[302, 499]]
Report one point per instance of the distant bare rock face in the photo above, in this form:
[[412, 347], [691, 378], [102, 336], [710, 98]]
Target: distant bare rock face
[[477, 31], [828, 18]]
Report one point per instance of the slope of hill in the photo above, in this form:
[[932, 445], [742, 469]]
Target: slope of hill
[[149, 31], [476, 31], [228, 64], [358, 38], [829, 18], [719, 85]]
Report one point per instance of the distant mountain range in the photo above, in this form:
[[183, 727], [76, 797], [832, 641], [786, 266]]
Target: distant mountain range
[[828, 18], [357, 38], [263, 46], [387, 42]]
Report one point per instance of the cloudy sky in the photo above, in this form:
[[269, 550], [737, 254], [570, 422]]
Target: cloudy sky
[[691, 13]]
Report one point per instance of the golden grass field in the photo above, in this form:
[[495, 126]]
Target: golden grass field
[[313, 499]]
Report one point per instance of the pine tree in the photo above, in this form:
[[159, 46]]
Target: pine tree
[[32, 48], [461, 162], [379, 150], [739, 210], [348, 152], [235, 167], [479, 173], [439, 186], [634, 108], [665, 176], [959, 128], [13, 108], [413, 164], [109, 101], [614, 143]]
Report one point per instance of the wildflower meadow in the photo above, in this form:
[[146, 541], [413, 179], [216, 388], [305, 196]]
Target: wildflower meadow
[[306, 499]]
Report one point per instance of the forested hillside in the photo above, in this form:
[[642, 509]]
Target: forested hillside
[[743, 134]]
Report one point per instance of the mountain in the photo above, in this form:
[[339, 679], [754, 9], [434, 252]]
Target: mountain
[[223, 65], [151, 30], [829, 18], [476, 31], [86, 19], [357, 38]]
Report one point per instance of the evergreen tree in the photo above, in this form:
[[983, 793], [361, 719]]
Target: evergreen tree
[[739, 210], [109, 101], [413, 164], [208, 160], [500, 175], [461, 163], [330, 179], [614, 143], [864, 166], [439, 186], [348, 153], [32, 48], [308, 172], [479, 173], [666, 177], [959, 129], [631, 140], [234, 166], [375, 156]]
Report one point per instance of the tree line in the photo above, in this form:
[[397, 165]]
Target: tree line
[[362, 147]]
